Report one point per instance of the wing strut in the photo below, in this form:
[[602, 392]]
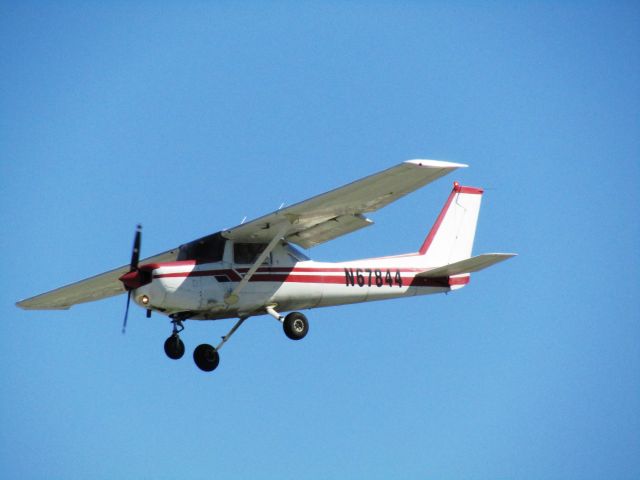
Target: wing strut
[[231, 332], [232, 298]]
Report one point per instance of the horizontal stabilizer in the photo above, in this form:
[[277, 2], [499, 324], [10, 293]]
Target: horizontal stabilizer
[[469, 265]]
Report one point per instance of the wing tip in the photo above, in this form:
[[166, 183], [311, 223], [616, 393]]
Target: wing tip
[[23, 304], [26, 305], [427, 163]]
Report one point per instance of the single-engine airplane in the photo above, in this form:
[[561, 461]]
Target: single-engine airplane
[[254, 269]]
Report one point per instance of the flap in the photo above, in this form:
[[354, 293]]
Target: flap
[[329, 230]]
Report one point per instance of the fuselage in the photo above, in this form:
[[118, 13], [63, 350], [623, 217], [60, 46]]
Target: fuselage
[[287, 281]]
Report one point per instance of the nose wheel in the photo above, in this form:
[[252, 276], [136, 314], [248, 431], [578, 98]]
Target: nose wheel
[[174, 346]]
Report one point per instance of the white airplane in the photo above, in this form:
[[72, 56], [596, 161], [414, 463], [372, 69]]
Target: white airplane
[[253, 269]]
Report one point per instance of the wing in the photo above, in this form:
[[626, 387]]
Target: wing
[[341, 211], [94, 288]]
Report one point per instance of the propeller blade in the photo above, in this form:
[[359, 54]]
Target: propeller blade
[[135, 254], [135, 258], [126, 312]]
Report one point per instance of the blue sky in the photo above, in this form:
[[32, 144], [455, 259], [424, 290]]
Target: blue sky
[[188, 117]]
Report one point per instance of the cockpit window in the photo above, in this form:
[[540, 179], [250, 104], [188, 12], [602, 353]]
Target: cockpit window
[[248, 253], [205, 249]]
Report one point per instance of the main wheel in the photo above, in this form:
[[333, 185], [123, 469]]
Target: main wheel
[[206, 357], [295, 326], [174, 347]]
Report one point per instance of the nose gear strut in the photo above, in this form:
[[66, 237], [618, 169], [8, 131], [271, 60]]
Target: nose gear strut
[[174, 346]]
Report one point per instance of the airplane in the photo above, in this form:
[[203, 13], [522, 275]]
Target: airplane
[[255, 269]]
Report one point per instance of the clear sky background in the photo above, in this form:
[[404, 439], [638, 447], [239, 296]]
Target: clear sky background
[[189, 117]]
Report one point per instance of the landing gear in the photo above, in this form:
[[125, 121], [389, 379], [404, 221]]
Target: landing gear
[[295, 325], [206, 357], [173, 346]]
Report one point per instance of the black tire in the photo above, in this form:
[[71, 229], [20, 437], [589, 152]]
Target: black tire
[[174, 347], [206, 357], [296, 326]]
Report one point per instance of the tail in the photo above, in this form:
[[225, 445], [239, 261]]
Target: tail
[[451, 237]]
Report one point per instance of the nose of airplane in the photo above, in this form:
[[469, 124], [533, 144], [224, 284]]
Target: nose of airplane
[[136, 278]]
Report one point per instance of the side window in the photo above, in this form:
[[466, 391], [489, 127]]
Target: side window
[[248, 253]]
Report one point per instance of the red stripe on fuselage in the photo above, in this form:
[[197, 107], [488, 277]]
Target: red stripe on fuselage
[[439, 281], [181, 263], [201, 273], [304, 269], [289, 275]]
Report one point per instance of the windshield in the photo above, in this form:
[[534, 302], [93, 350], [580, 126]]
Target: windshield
[[294, 252], [205, 249]]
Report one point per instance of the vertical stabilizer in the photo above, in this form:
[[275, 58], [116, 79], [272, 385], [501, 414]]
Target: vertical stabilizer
[[451, 237]]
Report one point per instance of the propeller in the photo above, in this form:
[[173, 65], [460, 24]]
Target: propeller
[[135, 258]]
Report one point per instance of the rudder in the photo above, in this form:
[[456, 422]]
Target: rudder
[[451, 237]]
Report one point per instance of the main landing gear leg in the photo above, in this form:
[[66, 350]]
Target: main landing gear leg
[[207, 357], [295, 325], [173, 346]]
